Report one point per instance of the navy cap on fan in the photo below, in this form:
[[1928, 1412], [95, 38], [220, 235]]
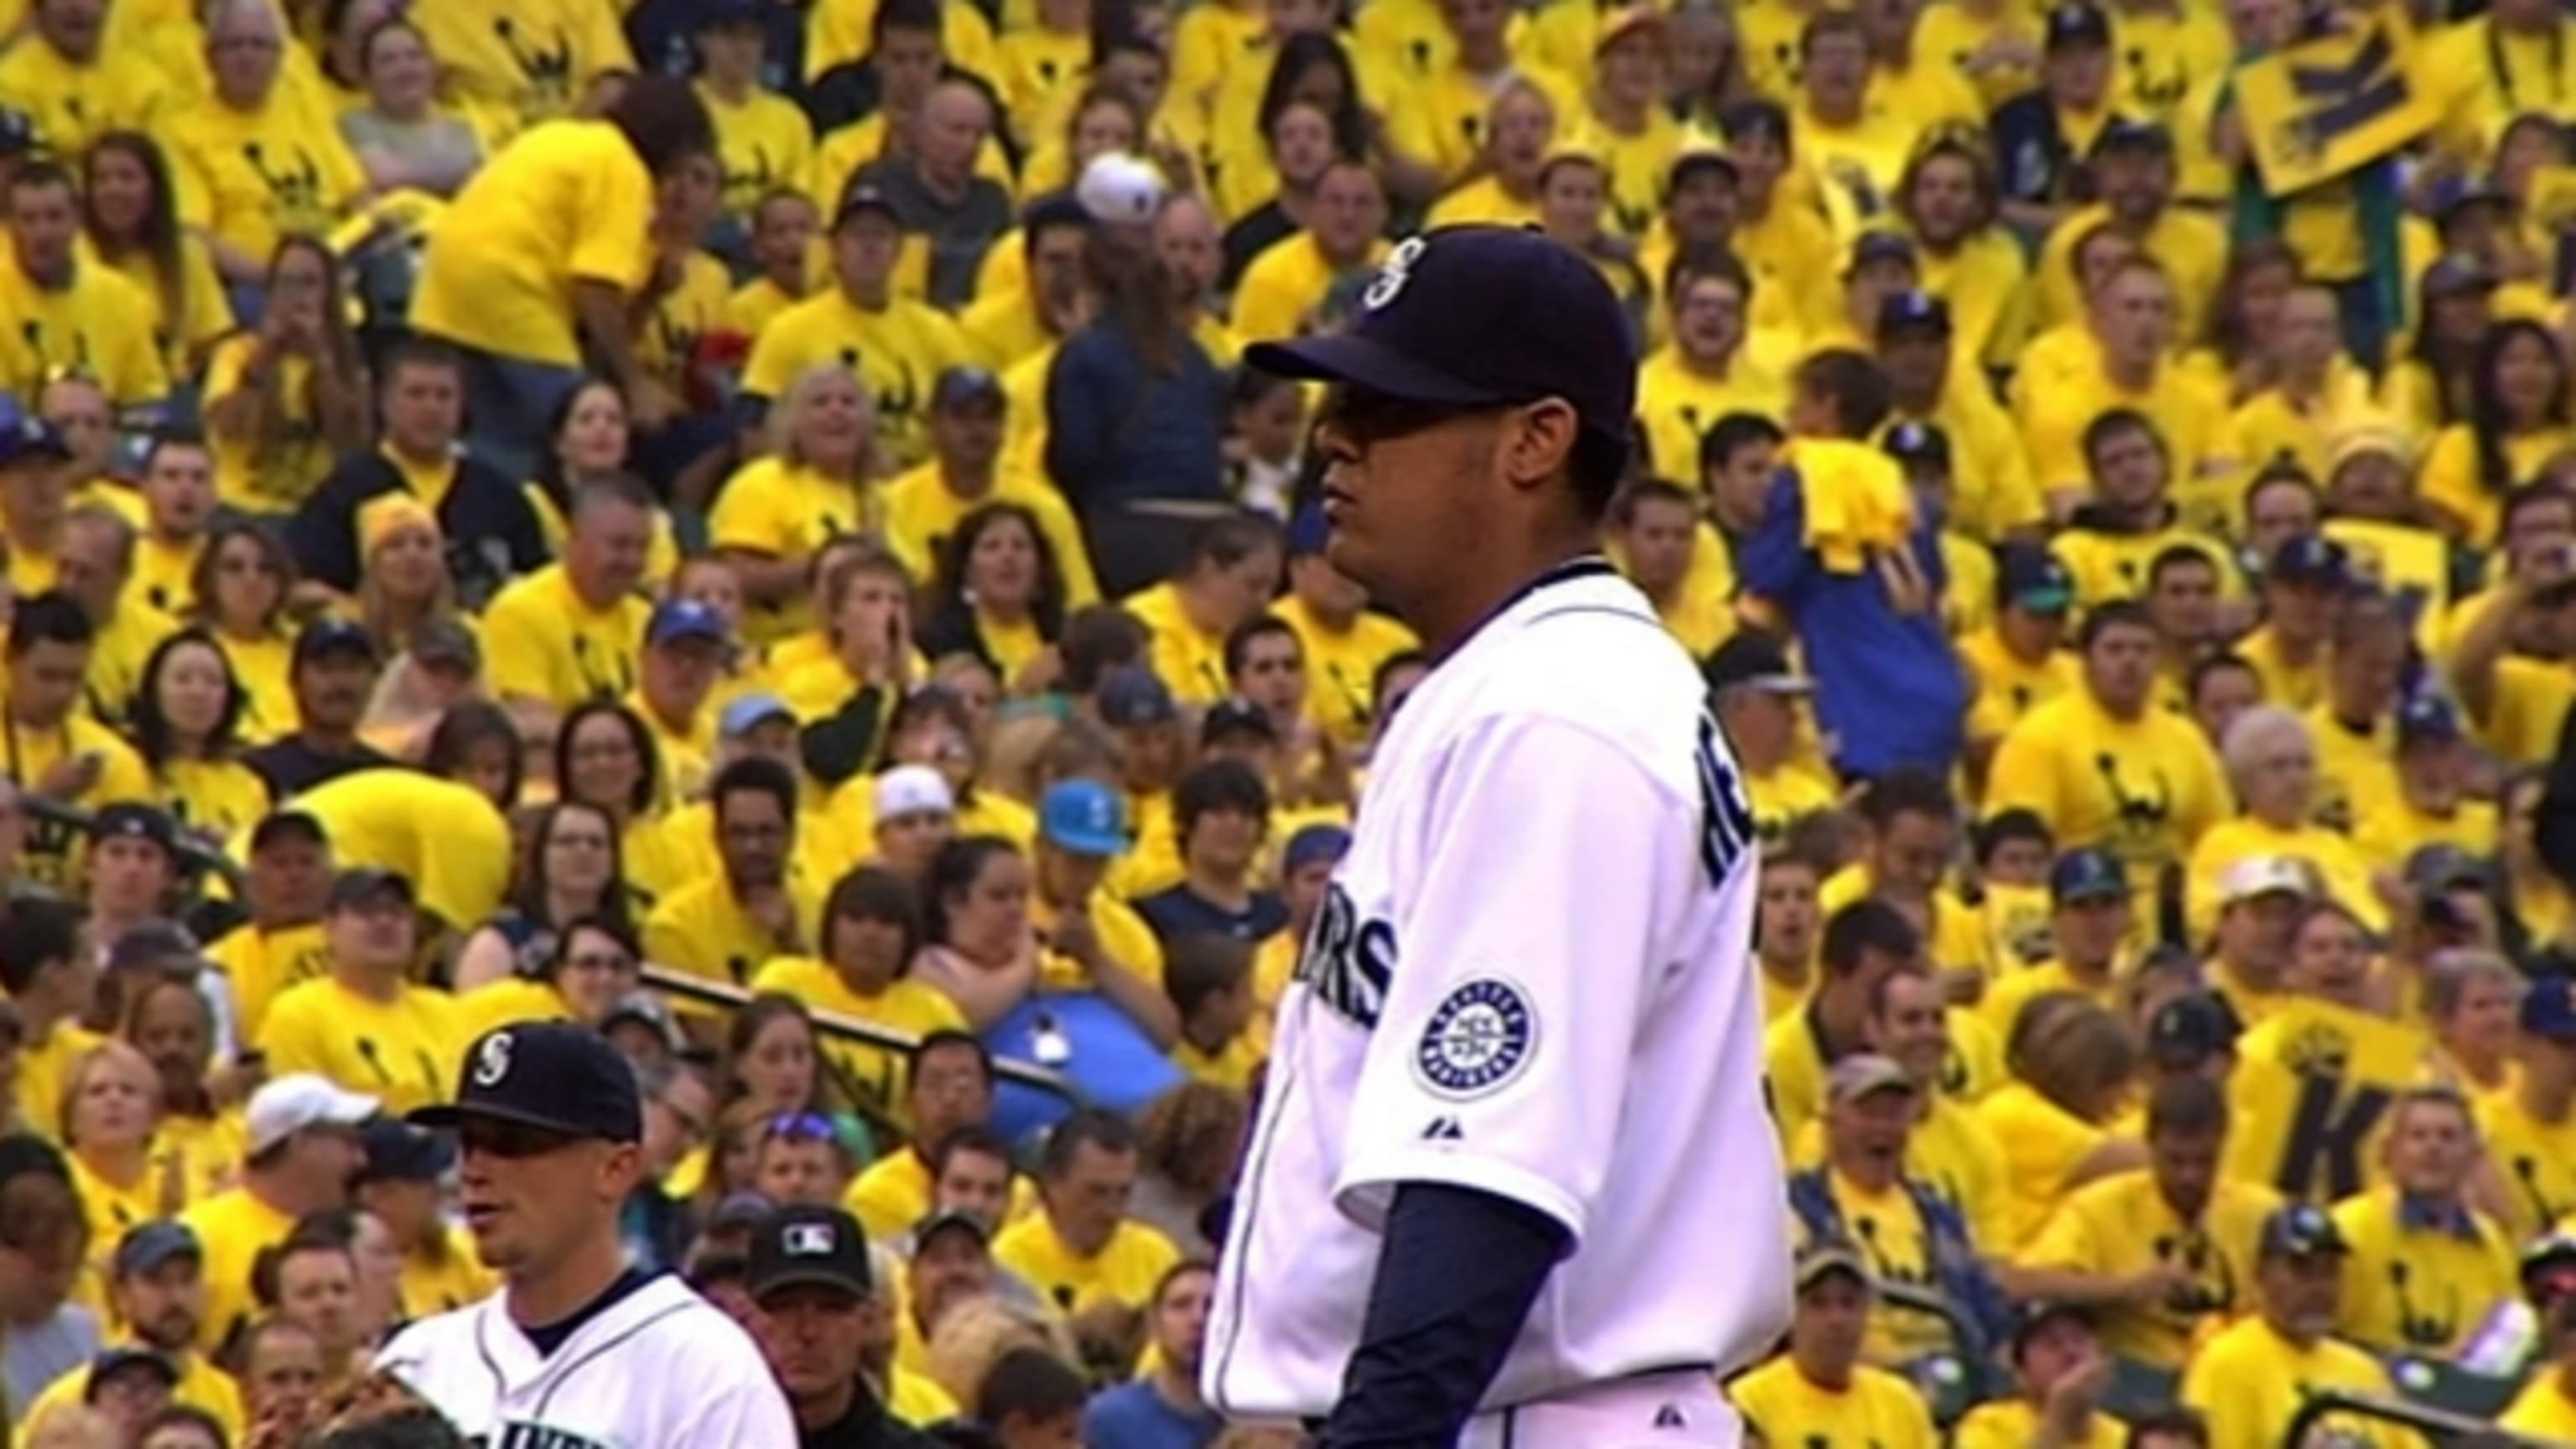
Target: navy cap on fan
[[1912, 310], [549, 1075], [1916, 441], [1478, 316], [2077, 23]]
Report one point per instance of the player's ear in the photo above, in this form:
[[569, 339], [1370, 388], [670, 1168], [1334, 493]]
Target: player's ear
[[1538, 442], [621, 1170]]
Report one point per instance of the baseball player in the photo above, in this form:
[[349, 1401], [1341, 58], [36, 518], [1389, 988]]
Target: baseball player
[[1512, 1182], [578, 1350]]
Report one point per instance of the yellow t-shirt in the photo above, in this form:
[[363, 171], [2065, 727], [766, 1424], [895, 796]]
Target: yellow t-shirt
[[2337, 864], [2122, 1225], [1285, 288], [567, 202], [2450, 479], [447, 839], [899, 351], [1125, 1270], [1794, 1061], [275, 470], [232, 1228], [2043, 1145], [1440, 121], [217, 797], [543, 641], [892, 1197], [2420, 1290], [99, 324], [73, 103], [2536, 1161], [2144, 789], [1230, 1066], [53, 849], [2356, 771], [201, 1386], [446, 1278], [403, 1052], [1342, 665], [765, 144], [262, 964], [515, 63], [701, 929], [265, 666], [44, 1069], [921, 511], [203, 314], [2544, 1410], [1678, 404], [2309, 1098], [1189, 659], [2191, 247], [875, 1074], [1877, 1410], [250, 177], [2109, 566], [2014, 1424], [2249, 1382], [2190, 416], [2009, 686], [692, 310]]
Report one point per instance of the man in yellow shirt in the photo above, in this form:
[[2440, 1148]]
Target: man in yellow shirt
[[571, 632], [2530, 1127], [157, 1293], [2427, 1271], [1657, 525], [400, 1185], [304, 1149], [2062, 1372], [1345, 642], [2250, 1380], [1819, 1394], [966, 470], [723, 926], [1080, 1250], [1710, 368], [1290, 289], [97, 565], [46, 745], [1761, 704], [366, 1026], [2546, 1407], [949, 1096], [61, 314], [2090, 918], [2019, 662], [49, 979]]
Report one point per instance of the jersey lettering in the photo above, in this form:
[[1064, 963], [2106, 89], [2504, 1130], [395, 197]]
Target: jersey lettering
[[2328, 1133], [1348, 962], [536, 1436], [1726, 824]]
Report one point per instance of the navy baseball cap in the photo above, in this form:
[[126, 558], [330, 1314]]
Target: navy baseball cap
[[1880, 246], [718, 14], [2549, 1008], [2457, 193], [148, 1245], [329, 637], [126, 1359], [860, 199], [1479, 316], [399, 1152], [17, 132], [2190, 1029], [2458, 276], [964, 387], [1912, 310], [1916, 441], [2301, 1230], [131, 820], [2086, 874], [2428, 719], [25, 437], [368, 885], [2311, 558], [808, 1246], [1693, 160], [2124, 134], [1229, 717], [2038, 1313], [1314, 844], [544, 1074], [2077, 23], [2441, 867], [944, 1220], [677, 619], [2030, 578], [282, 825], [1753, 660], [1133, 695], [1083, 817]]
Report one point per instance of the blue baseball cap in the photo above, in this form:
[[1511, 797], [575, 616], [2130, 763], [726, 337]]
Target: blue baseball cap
[[2549, 1008], [2311, 558], [677, 619], [549, 1075], [2030, 578], [2302, 1230], [750, 712], [148, 1245], [2428, 719], [1479, 316], [1315, 844], [1880, 246], [2086, 874], [25, 436], [1083, 817], [1912, 310], [1916, 441], [1131, 695]]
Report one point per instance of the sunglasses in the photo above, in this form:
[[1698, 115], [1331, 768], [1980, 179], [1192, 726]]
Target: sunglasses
[[799, 1127]]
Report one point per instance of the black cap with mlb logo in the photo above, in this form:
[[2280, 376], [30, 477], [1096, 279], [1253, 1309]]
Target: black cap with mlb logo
[[547, 1075], [808, 1246], [1479, 316]]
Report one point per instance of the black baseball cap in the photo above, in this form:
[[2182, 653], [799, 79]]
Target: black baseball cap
[[2442, 866], [1912, 310], [1695, 159], [2038, 1313], [2426, 719], [2124, 134], [2087, 874], [1751, 659], [963, 387], [399, 1152], [368, 885], [1477, 316], [547, 1075], [1880, 246], [808, 1245], [719, 14], [1229, 717], [328, 637], [1919, 442], [2458, 275], [944, 1220], [131, 820], [861, 198], [2077, 23], [2033, 580], [2301, 1230], [2190, 1029], [279, 825], [2311, 558]]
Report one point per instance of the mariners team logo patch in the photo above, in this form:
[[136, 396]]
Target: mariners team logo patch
[[1477, 1040]]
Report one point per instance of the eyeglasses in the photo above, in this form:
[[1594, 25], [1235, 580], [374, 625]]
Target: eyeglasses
[[799, 1127]]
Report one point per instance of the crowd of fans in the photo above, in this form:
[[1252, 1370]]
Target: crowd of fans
[[714, 520]]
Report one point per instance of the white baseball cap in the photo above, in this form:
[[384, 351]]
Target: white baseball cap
[[1118, 187], [290, 1104], [913, 790], [2263, 875]]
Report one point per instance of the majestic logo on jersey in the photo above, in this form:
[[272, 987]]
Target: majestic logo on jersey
[[1397, 271], [1726, 824], [1477, 1040], [492, 1060], [1348, 962], [535, 1436]]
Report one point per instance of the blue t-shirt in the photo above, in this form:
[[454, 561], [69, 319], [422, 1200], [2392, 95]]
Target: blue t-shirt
[[1181, 911], [1133, 1416]]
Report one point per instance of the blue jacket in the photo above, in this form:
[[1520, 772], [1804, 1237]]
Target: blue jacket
[[1985, 1316], [1117, 433], [1888, 688]]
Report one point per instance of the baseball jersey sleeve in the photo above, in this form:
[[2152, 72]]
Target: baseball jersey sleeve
[[1524, 960]]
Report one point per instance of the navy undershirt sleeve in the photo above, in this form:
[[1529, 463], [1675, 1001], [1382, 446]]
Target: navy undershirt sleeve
[[1454, 1283]]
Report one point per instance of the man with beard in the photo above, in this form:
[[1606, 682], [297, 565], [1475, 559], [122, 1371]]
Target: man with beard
[[157, 1286], [333, 675], [1163, 1409]]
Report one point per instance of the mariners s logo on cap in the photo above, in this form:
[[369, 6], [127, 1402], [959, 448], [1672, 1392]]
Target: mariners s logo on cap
[[1392, 276], [1478, 1039], [492, 1060]]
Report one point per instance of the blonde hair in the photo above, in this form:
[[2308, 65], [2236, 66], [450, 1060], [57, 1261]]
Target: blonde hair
[[111, 1049], [974, 1334], [787, 416]]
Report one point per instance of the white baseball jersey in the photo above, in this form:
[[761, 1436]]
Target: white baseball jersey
[[1532, 976], [659, 1369]]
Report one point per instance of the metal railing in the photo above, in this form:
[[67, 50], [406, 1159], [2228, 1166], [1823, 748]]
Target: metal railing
[[2441, 1424]]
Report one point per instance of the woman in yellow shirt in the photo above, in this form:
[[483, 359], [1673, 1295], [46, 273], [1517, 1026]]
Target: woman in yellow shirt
[[130, 223], [1000, 594], [2428, 389], [285, 401], [186, 726], [2472, 1001], [773, 1064], [111, 1107], [2518, 421], [816, 483], [244, 579], [2271, 760]]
